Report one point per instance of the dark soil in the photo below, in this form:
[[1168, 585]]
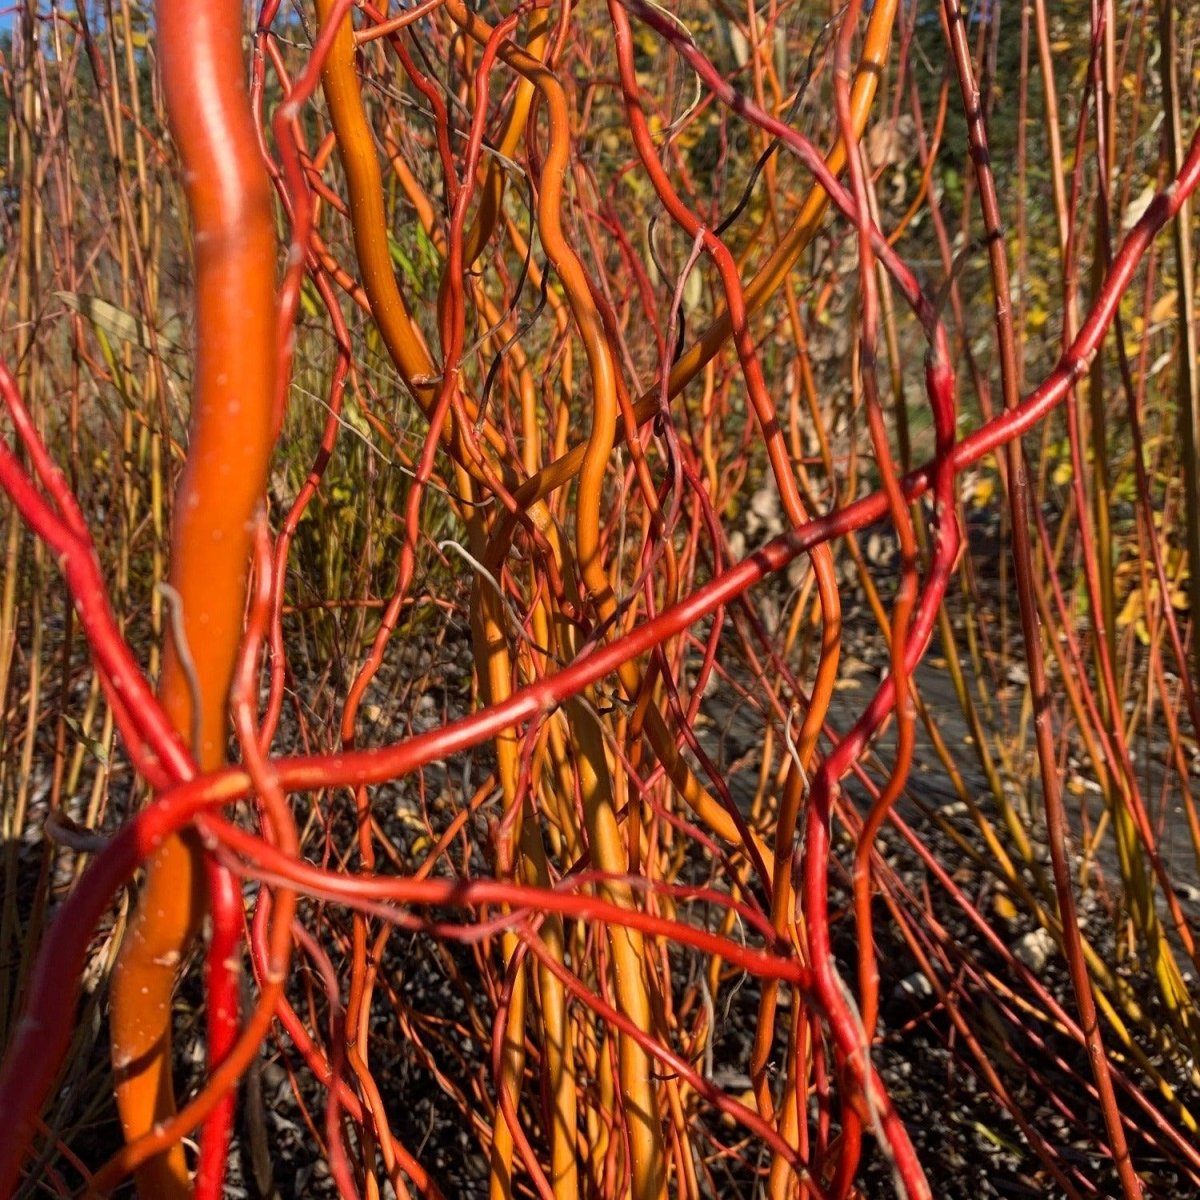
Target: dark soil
[[970, 1146]]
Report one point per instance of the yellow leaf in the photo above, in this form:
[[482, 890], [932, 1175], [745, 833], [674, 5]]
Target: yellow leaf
[[1132, 610], [1164, 308], [984, 490], [108, 318]]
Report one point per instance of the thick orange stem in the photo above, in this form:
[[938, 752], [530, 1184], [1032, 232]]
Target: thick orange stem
[[231, 435]]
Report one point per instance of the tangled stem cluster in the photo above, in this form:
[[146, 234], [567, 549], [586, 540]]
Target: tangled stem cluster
[[603, 888]]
